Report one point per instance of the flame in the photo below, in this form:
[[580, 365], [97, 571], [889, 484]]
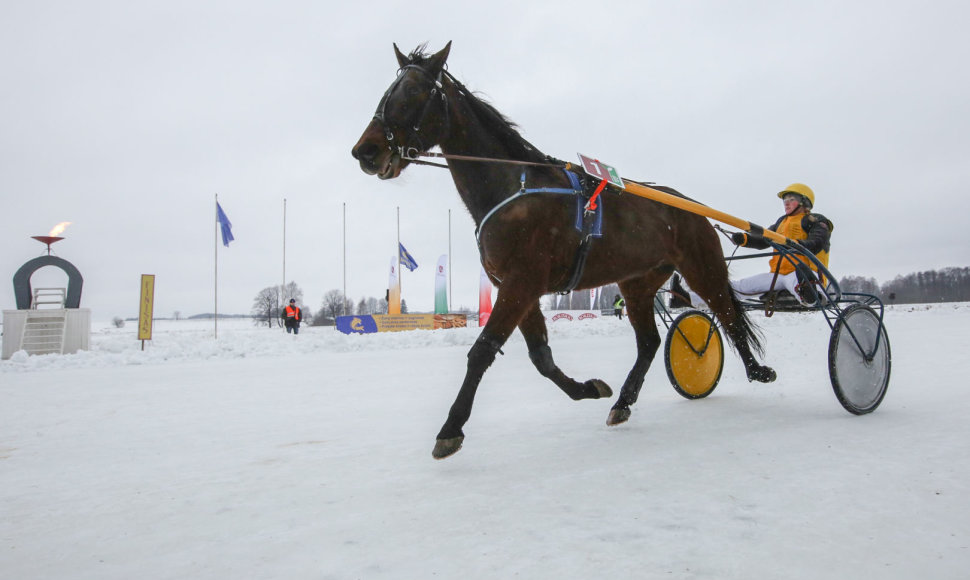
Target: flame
[[56, 230]]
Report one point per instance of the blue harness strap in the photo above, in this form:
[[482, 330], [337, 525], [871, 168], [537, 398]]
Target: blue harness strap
[[596, 229], [588, 223], [575, 189], [573, 181]]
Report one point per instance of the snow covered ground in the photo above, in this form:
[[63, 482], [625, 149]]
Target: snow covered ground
[[263, 455]]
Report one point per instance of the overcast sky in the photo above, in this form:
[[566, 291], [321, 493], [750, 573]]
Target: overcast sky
[[127, 118]]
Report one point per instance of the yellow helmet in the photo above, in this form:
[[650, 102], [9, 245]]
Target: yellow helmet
[[802, 190]]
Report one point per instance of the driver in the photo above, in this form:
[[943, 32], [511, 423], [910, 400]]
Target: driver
[[811, 230]]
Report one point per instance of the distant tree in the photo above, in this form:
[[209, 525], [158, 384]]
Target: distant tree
[[859, 284], [266, 306], [270, 301], [373, 306], [579, 300], [946, 285], [957, 284], [118, 321], [404, 306], [291, 290], [608, 294], [334, 304], [177, 315], [362, 306]]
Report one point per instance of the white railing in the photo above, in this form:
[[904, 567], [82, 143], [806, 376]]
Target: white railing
[[48, 297]]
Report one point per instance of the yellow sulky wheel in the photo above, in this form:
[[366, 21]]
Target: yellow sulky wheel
[[694, 354]]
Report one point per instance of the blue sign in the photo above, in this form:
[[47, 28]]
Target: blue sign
[[356, 324]]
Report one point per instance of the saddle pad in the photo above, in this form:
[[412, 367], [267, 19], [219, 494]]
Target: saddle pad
[[594, 222]]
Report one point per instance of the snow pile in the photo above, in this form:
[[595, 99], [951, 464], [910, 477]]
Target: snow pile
[[193, 340]]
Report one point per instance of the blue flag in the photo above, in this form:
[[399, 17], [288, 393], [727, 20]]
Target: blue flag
[[225, 224], [406, 258]]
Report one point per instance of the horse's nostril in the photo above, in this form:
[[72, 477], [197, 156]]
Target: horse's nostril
[[365, 152]]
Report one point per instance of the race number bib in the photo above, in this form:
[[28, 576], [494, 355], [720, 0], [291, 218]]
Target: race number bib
[[600, 170]]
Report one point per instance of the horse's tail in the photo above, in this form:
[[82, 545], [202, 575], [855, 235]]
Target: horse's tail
[[745, 331]]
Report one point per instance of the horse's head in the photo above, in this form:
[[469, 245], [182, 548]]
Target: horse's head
[[411, 117]]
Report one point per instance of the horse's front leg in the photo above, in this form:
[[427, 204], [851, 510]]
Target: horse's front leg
[[505, 316], [533, 328]]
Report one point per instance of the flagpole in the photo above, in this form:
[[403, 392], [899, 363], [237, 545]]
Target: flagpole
[[400, 274], [344, 304], [216, 276], [283, 287]]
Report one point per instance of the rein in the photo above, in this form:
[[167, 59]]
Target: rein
[[413, 158]]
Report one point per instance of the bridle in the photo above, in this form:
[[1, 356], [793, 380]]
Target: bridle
[[412, 146], [412, 152]]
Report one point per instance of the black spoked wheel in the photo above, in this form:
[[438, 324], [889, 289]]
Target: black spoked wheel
[[859, 359], [694, 354]]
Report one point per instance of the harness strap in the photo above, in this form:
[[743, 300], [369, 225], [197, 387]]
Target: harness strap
[[576, 189], [588, 222], [578, 265]]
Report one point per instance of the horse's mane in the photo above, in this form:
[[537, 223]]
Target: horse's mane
[[495, 122]]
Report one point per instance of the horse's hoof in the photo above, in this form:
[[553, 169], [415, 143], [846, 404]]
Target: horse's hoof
[[603, 391], [447, 447], [763, 375], [617, 416]]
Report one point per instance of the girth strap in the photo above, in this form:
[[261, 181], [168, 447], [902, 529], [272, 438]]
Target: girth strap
[[589, 222]]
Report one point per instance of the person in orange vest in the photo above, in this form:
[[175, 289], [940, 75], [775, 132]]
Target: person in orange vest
[[811, 230], [292, 316]]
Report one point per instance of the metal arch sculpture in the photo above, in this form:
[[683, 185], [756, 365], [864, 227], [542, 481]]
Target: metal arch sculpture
[[21, 281]]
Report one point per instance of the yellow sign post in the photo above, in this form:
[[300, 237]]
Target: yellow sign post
[[145, 309]]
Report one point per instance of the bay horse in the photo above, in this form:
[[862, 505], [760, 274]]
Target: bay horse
[[528, 243]]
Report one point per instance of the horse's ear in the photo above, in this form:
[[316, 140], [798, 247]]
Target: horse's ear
[[402, 60], [438, 59]]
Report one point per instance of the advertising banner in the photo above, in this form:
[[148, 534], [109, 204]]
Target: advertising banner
[[368, 323], [484, 298], [356, 324], [441, 286], [571, 315], [399, 322], [394, 290]]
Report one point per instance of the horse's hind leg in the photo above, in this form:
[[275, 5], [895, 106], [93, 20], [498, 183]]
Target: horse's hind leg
[[533, 328], [639, 295], [716, 291], [742, 334]]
